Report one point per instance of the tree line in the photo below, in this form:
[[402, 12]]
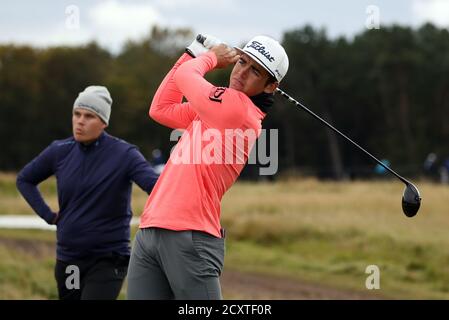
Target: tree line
[[386, 88]]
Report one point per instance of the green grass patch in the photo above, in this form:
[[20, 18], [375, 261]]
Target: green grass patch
[[407, 270], [26, 273]]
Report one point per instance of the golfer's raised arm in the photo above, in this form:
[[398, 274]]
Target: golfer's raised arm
[[167, 107], [219, 107]]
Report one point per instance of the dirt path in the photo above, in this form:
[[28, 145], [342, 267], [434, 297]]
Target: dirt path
[[238, 285], [235, 284]]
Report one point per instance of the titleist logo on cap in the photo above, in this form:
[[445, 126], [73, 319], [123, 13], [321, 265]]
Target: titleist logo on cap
[[261, 49]]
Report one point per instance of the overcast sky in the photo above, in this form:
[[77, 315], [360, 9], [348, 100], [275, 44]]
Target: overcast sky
[[111, 22]]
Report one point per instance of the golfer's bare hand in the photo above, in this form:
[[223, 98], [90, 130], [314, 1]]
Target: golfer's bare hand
[[225, 55]]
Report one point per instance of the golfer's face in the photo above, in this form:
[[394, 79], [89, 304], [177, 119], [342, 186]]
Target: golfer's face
[[86, 125], [248, 77]]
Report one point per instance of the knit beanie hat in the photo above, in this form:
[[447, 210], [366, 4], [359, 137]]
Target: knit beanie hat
[[96, 99]]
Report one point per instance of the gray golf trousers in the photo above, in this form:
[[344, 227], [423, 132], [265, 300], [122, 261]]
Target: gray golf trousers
[[167, 264]]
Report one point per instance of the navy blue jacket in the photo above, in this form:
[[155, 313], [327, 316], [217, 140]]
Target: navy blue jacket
[[94, 193]]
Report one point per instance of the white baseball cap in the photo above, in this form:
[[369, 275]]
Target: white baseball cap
[[269, 54]]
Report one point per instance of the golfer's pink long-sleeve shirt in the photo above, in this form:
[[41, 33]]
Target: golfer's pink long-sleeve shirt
[[220, 127]]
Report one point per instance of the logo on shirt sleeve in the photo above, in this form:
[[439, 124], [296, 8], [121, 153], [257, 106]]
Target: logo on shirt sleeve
[[216, 93]]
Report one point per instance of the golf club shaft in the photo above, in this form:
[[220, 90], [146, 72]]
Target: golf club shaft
[[200, 38], [340, 133]]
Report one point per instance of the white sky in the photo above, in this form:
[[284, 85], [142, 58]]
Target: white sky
[[111, 22]]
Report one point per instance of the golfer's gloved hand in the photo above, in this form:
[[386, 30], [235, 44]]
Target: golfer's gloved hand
[[202, 44]]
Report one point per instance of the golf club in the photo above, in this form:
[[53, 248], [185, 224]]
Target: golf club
[[411, 199]]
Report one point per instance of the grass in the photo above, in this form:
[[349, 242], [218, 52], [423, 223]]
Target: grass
[[330, 232], [27, 265], [26, 274], [372, 208], [324, 232]]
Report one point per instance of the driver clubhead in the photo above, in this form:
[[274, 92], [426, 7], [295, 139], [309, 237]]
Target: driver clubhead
[[411, 200]]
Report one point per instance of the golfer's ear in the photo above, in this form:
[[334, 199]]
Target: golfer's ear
[[271, 87]]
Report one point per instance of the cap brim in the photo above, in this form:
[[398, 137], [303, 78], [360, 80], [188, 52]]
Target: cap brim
[[256, 59]]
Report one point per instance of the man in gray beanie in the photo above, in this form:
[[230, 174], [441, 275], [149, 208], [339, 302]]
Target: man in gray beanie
[[94, 173], [93, 105], [96, 99]]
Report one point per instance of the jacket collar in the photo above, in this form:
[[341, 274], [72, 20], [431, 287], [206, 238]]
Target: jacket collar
[[93, 144]]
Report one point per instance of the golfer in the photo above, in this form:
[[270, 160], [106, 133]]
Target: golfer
[[178, 252], [94, 174]]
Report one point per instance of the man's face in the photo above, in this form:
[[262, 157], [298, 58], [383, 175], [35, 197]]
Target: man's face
[[86, 125], [250, 78]]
